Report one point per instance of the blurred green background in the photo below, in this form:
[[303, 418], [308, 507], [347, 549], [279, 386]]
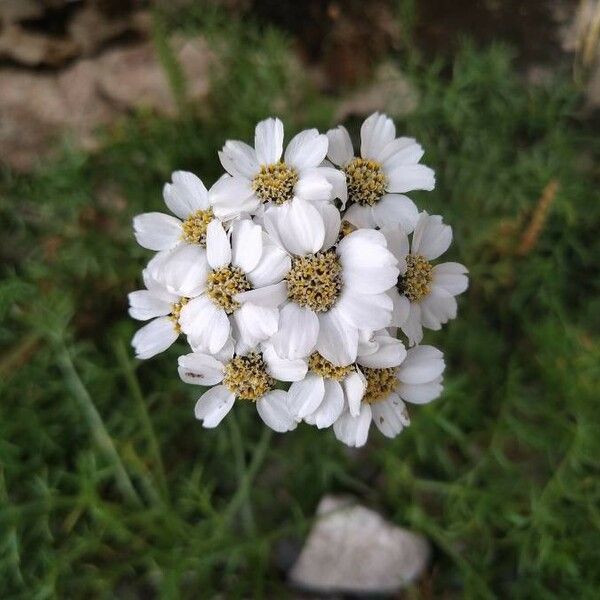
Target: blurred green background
[[110, 488]]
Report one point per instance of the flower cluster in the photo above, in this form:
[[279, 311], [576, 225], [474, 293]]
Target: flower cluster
[[292, 276]]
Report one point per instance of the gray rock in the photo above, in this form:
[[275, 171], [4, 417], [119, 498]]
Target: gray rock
[[353, 549]]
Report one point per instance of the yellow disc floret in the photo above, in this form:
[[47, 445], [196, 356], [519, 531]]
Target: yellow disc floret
[[416, 283], [380, 383], [321, 366], [224, 284], [315, 281], [275, 183], [247, 377], [366, 181], [176, 311], [194, 227]]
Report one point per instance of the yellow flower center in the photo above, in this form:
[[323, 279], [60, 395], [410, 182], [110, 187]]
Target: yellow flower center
[[315, 281], [380, 383], [416, 283], [321, 366], [366, 181], [247, 377], [176, 311], [194, 227], [224, 284], [346, 229], [275, 183]]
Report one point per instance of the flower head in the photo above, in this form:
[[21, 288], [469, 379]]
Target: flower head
[[245, 377], [334, 289], [392, 376], [425, 293], [376, 180], [238, 284], [162, 308], [265, 175]]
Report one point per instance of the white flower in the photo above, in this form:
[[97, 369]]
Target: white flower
[[377, 179], [417, 379], [425, 294], [249, 377], [321, 396], [259, 176], [238, 278], [194, 207], [333, 289], [163, 307]]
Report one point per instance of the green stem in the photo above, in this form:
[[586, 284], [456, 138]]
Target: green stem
[[92, 416], [138, 397], [242, 495], [237, 445]]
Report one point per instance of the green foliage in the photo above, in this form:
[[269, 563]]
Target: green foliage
[[109, 488]]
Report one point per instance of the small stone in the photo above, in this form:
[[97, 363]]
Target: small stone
[[353, 549]]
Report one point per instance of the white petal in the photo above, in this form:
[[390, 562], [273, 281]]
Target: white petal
[[306, 395], [397, 244], [354, 431], [232, 196], [306, 149], [401, 151], [246, 244], [337, 179], [401, 308], [423, 364], [207, 324], [420, 393], [213, 406], [331, 406], [300, 227], [407, 178], [390, 416], [366, 342], [270, 295], [274, 411], [185, 270], [268, 141], [337, 341], [218, 249], [390, 353], [298, 331], [431, 237], [395, 210], [239, 159], [354, 386], [332, 221], [340, 151], [185, 195], [150, 275], [157, 231], [365, 311], [283, 369], [370, 278], [376, 132], [200, 369], [313, 185], [412, 324], [360, 216], [272, 267], [256, 323], [437, 308], [452, 277], [144, 305], [153, 338]]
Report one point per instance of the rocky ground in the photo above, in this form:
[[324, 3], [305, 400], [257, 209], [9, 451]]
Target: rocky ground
[[68, 67]]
